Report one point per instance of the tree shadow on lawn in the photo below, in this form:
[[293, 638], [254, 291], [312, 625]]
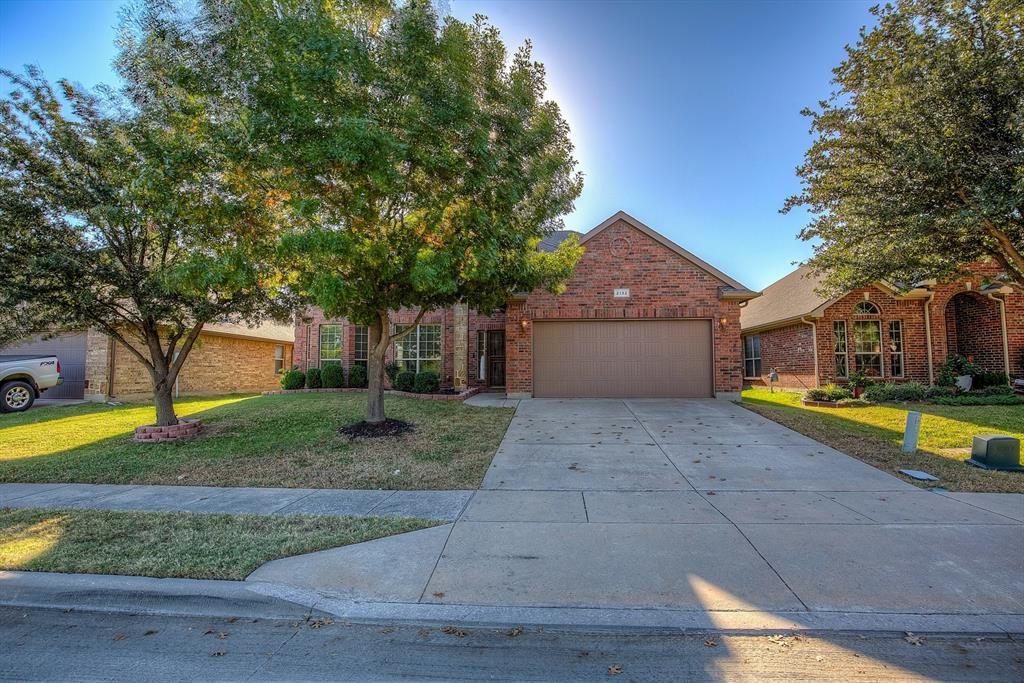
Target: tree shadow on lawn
[[288, 441], [881, 446]]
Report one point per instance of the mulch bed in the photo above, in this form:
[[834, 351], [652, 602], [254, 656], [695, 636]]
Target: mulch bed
[[367, 430]]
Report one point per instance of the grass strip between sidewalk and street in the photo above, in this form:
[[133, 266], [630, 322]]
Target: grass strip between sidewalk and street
[[174, 544], [874, 434]]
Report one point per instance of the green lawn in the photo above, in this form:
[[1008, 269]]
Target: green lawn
[[166, 544], [287, 440], [874, 434]]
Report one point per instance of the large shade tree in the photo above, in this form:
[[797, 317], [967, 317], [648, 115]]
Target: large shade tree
[[421, 163], [117, 213], [917, 167]]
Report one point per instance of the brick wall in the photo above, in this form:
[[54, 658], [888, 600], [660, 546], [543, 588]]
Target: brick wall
[[790, 350], [974, 328], [662, 285], [216, 365]]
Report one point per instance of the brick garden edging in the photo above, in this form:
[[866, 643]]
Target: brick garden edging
[[393, 392], [186, 428], [825, 404]]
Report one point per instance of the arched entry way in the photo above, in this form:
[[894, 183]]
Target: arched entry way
[[974, 329]]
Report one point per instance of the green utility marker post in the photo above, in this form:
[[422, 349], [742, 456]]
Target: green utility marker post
[[910, 433]]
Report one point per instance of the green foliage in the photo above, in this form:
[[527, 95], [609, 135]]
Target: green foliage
[[391, 370], [119, 211], [906, 391], [975, 400], [916, 165], [293, 379], [829, 392], [860, 380], [332, 376], [955, 366], [853, 402], [405, 381], [357, 376], [939, 391], [994, 390], [313, 380], [986, 378], [427, 383]]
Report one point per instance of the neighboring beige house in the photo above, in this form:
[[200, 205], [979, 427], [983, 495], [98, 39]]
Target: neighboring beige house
[[226, 358]]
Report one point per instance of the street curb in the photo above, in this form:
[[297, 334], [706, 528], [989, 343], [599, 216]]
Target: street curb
[[647, 619], [142, 595], [261, 600]]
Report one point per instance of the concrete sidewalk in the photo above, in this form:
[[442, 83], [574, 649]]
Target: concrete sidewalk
[[615, 510], [441, 505]]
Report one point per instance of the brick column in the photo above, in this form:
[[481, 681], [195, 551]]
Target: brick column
[[97, 365], [518, 351], [460, 346]]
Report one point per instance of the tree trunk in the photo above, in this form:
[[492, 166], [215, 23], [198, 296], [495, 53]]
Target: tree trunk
[[378, 343], [163, 397]]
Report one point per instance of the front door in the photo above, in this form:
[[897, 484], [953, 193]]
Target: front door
[[496, 358]]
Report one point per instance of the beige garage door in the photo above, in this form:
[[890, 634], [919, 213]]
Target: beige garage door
[[622, 358]]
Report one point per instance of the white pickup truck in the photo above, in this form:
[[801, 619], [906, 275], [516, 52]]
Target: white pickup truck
[[24, 378]]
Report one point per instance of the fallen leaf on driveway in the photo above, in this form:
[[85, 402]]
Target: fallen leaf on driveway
[[318, 623], [218, 653], [912, 639], [150, 632], [387, 630], [710, 642], [711, 493], [614, 670], [452, 631], [518, 630], [119, 636], [424, 632], [222, 634], [439, 595]]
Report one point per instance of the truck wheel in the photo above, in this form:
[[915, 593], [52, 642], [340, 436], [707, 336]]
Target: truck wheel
[[16, 396]]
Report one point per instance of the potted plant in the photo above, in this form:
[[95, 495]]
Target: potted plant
[[859, 381], [958, 371]]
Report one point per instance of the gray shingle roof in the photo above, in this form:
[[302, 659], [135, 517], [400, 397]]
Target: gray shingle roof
[[791, 297], [551, 242]]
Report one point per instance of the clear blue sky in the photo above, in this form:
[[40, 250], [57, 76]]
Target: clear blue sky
[[684, 114]]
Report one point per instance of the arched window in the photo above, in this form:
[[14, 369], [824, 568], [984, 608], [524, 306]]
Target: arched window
[[865, 308]]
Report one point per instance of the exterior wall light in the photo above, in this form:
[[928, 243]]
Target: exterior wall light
[[723, 322], [524, 323]]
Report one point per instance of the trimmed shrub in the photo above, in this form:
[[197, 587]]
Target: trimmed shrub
[[995, 390], [880, 392], [427, 382], [986, 379], [829, 392], [956, 366], [909, 391], [391, 370], [357, 376], [293, 379], [405, 381], [854, 403], [939, 392], [332, 376], [313, 380]]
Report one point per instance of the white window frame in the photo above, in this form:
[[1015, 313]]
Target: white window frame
[[896, 347], [278, 358], [320, 345], [415, 338], [361, 356], [871, 305], [840, 348], [881, 347], [754, 359]]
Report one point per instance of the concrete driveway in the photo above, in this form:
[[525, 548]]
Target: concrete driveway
[[688, 505]]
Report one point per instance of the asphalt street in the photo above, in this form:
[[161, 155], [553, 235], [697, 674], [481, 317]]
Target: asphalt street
[[52, 644]]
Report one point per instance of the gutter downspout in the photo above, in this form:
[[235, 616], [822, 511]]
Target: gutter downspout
[[814, 343], [1002, 324], [928, 338]]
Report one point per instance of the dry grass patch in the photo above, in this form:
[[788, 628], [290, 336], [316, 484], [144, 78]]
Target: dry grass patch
[[288, 441], [174, 544], [874, 434]]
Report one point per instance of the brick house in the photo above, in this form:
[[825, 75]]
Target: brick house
[[641, 316], [898, 335], [227, 358]]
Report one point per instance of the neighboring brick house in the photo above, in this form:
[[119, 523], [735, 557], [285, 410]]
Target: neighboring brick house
[[898, 335], [226, 358], [641, 316]]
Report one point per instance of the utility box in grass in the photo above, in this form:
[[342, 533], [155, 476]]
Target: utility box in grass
[[996, 452]]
